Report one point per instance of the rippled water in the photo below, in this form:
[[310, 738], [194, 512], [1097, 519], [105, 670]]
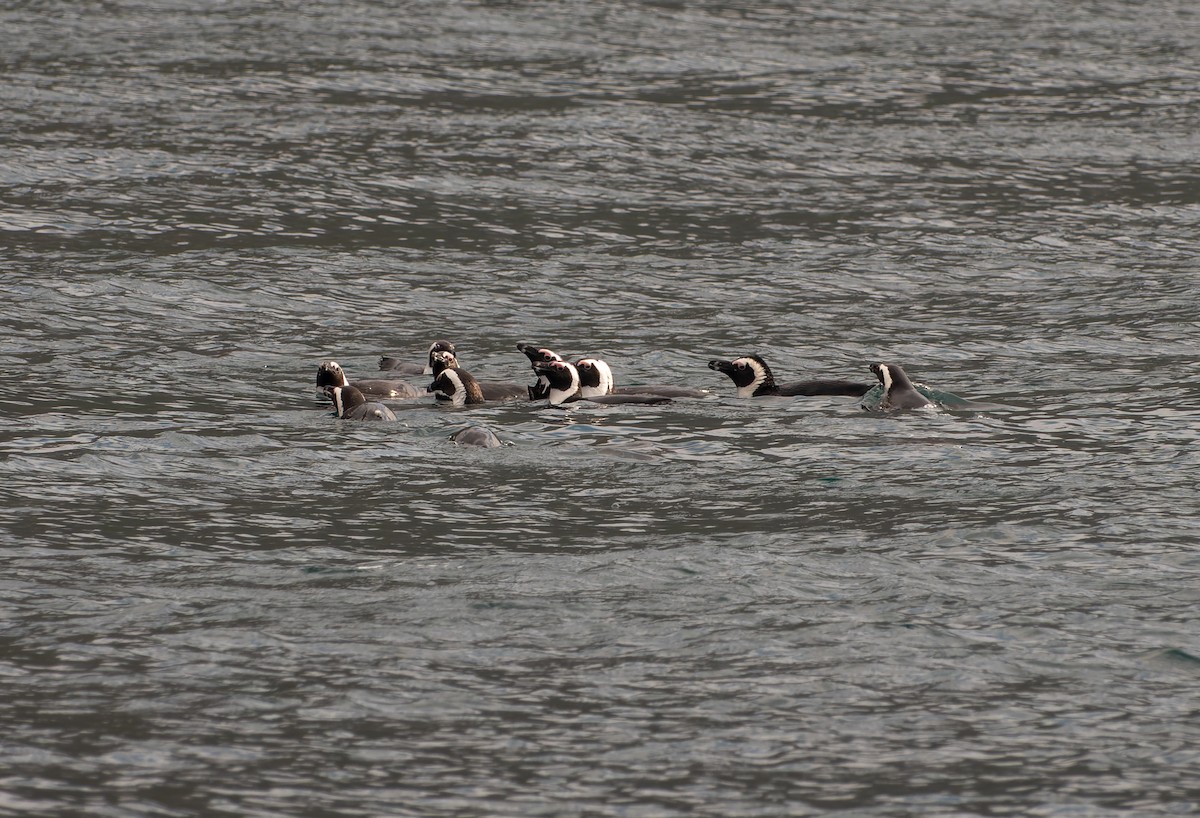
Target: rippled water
[[222, 600]]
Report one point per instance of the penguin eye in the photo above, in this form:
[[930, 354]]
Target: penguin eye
[[739, 366]]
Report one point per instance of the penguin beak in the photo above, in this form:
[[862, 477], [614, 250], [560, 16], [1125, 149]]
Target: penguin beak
[[721, 366], [531, 352]]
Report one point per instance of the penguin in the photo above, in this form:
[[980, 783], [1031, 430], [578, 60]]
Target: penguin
[[596, 378], [538, 355], [390, 364], [476, 436], [563, 382], [330, 373], [898, 390], [351, 404], [492, 390], [753, 379], [457, 386]]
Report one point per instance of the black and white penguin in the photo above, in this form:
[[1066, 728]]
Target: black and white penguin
[[596, 378], [492, 390], [390, 364], [753, 379], [476, 436], [563, 382], [538, 355], [457, 386], [351, 404], [898, 390], [330, 373]]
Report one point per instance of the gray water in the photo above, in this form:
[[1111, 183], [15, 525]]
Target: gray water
[[218, 599]]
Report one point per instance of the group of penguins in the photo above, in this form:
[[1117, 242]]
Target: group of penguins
[[560, 382]]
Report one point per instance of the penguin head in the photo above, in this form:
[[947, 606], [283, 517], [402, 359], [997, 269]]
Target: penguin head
[[330, 373], [537, 354], [749, 373], [441, 359], [891, 375], [345, 398], [595, 377], [435, 347], [562, 378]]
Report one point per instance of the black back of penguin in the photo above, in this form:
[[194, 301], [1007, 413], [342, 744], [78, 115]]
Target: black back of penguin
[[480, 436]]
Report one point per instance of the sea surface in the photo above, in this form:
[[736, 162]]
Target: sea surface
[[219, 599]]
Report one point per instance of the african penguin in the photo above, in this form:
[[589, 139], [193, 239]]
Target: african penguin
[[330, 373], [753, 379], [351, 404], [391, 364], [898, 390]]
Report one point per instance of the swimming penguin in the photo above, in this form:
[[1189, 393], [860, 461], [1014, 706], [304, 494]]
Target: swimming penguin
[[351, 404], [492, 390], [330, 373], [476, 436], [390, 364], [753, 379], [563, 381], [898, 390], [596, 378], [538, 355], [457, 386]]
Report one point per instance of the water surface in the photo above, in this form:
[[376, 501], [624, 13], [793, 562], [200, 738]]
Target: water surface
[[221, 600]]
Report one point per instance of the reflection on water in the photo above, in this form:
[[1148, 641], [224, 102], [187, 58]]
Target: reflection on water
[[223, 599]]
